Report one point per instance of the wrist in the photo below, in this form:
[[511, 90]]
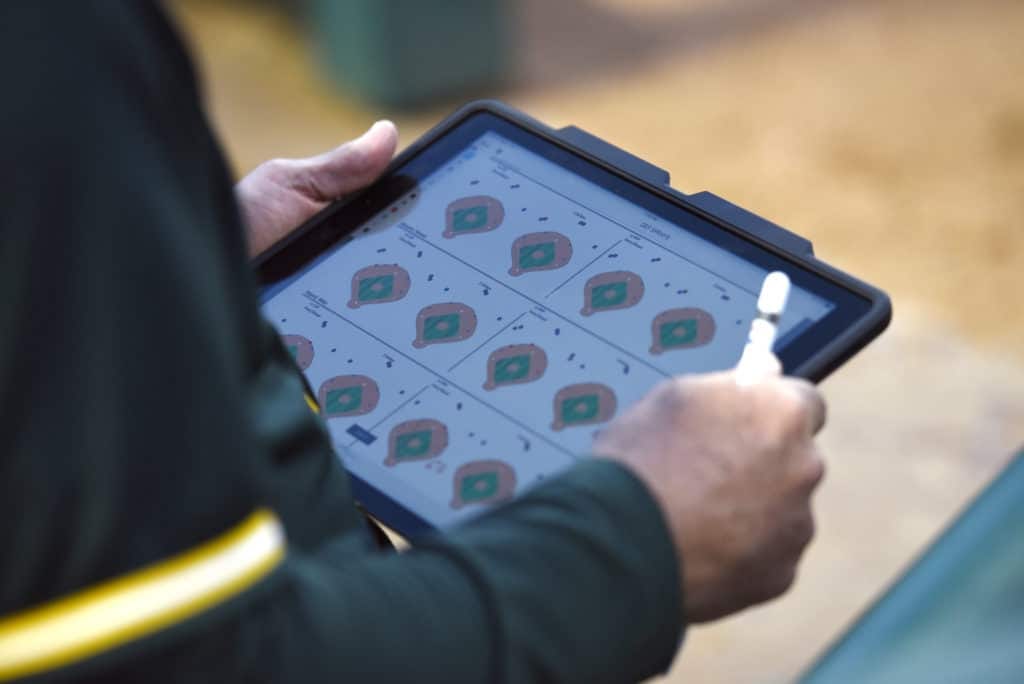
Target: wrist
[[655, 496]]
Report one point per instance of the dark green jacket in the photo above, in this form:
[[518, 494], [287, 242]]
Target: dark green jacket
[[146, 406]]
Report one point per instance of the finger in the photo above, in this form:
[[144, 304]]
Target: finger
[[814, 402], [347, 168], [801, 530], [814, 471], [769, 585]]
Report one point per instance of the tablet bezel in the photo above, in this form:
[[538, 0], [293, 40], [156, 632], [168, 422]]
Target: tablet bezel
[[861, 312]]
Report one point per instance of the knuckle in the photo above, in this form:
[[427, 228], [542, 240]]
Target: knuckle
[[814, 403], [274, 167], [776, 583], [798, 406], [281, 172], [673, 392], [787, 424], [777, 439], [814, 472], [782, 403], [795, 534], [356, 157], [805, 532], [784, 580], [797, 413], [792, 421]]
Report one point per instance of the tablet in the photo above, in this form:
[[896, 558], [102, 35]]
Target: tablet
[[471, 321]]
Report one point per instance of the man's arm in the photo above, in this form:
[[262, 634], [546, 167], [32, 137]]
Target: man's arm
[[146, 409], [143, 415]]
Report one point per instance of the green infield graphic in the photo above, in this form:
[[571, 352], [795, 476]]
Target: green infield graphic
[[441, 327], [344, 400], [479, 487]]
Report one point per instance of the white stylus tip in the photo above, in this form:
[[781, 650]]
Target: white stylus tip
[[774, 293]]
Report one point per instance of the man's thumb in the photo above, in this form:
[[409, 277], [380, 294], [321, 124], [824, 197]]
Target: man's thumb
[[351, 166]]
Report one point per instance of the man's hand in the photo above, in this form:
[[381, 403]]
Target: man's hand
[[282, 193], [733, 469]]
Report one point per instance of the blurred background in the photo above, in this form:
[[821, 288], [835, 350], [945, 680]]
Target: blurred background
[[890, 132]]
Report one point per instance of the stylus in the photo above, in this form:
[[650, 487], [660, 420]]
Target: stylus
[[756, 360]]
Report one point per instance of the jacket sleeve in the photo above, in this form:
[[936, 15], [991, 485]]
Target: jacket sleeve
[[575, 582]]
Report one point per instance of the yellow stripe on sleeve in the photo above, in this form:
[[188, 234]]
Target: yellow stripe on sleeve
[[140, 603]]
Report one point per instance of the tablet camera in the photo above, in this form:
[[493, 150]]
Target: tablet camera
[[681, 329], [515, 364], [544, 251], [478, 214], [483, 482], [611, 291]]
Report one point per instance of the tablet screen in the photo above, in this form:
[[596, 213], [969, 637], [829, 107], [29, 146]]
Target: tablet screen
[[470, 338]]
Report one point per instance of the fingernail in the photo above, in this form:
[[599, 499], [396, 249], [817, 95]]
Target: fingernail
[[378, 124], [361, 140]]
